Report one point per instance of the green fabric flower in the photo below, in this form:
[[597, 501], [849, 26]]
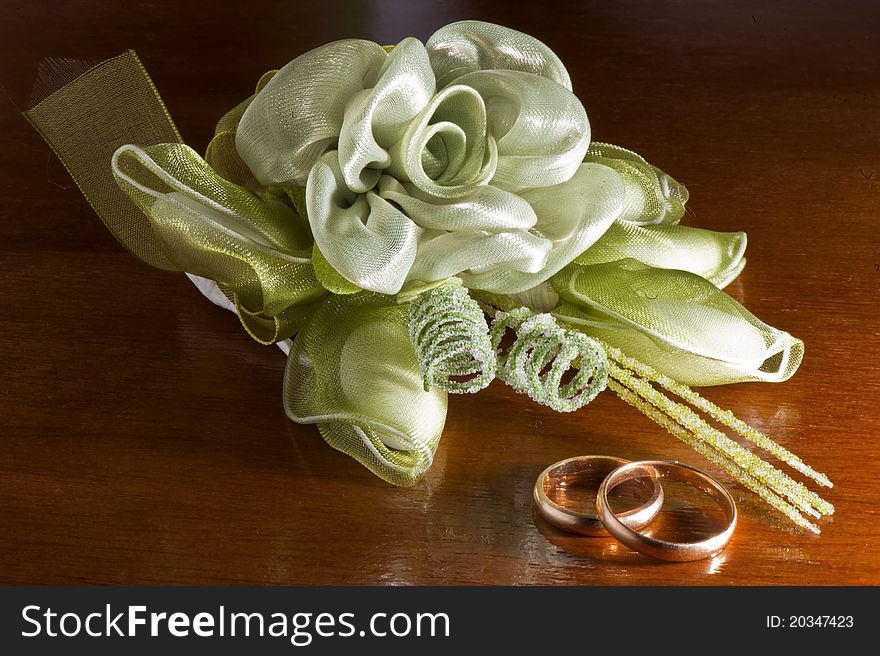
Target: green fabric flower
[[460, 157]]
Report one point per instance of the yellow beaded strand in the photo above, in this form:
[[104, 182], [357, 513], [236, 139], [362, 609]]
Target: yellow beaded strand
[[725, 417], [632, 381]]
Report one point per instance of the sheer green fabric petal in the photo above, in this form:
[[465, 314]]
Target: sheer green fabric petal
[[715, 256], [466, 46], [299, 114], [445, 254], [375, 118], [651, 195], [680, 323], [571, 217], [353, 371], [540, 128], [365, 238], [487, 209], [445, 151]]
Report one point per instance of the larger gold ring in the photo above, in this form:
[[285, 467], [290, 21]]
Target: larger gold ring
[[586, 521], [663, 549]]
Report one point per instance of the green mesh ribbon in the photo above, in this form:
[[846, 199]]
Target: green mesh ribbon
[[203, 224], [353, 372], [652, 197]]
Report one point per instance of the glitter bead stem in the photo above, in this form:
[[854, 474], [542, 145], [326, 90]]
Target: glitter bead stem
[[725, 417], [765, 493], [797, 493]]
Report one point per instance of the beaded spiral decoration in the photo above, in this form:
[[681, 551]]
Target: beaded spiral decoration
[[542, 354], [450, 336]]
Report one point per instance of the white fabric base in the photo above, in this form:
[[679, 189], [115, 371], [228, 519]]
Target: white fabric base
[[211, 291]]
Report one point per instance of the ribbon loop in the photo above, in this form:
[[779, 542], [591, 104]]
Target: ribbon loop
[[257, 251]]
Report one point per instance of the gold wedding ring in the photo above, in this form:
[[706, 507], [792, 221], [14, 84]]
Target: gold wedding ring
[[586, 521], [654, 470]]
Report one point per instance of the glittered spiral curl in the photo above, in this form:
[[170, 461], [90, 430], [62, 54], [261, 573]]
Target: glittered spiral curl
[[451, 339], [542, 354]]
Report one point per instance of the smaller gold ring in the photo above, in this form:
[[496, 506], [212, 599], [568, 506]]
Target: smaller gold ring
[[586, 521], [664, 549]]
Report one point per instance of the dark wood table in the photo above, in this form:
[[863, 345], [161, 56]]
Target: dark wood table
[[141, 430]]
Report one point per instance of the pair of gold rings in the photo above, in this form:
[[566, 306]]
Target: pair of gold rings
[[625, 526]]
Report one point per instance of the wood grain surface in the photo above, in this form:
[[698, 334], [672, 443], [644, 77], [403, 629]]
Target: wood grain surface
[[142, 438]]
